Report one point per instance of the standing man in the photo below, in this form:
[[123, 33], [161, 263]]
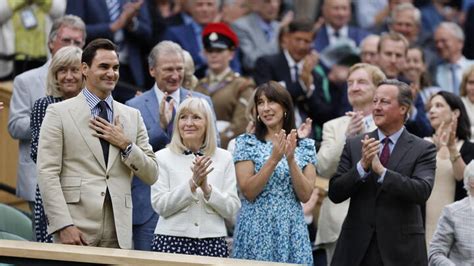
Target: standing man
[[297, 68], [361, 84], [89, 148], [387, 174], [166, 66], [29, 87], [127, 24]]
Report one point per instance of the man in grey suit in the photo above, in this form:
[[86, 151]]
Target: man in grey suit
[[258, 32], [386, 183], [29, 87], [166, 66]]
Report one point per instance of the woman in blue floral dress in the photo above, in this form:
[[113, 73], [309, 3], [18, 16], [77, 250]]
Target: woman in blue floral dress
[[275, 171]]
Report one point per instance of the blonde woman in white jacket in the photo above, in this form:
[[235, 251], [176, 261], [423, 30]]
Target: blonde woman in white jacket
[[196, 188]]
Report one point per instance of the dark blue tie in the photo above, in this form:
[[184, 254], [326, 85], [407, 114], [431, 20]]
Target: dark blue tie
[[103, 142]]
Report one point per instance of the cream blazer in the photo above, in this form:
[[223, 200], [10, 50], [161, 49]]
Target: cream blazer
[[72, 175], [332, 215], [186, 214]]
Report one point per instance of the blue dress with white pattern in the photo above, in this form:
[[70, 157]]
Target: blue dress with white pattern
[[272, 227]]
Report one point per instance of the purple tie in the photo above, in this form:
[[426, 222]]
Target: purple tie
[[385, 155]]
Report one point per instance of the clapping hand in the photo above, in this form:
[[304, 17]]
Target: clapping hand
[[166, 111], [305, 129], [356, 124], [279, 146], [201, 168], [441, 136], [290, 145], [370, 148]]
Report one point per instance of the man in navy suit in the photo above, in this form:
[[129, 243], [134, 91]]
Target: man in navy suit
[[387, 174], [189, 35], [337, 14], [166, 66], [126, 23], [297, 68]]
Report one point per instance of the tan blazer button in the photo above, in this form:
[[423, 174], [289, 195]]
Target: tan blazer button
[[196, 224], [102, 193], [107, 177]]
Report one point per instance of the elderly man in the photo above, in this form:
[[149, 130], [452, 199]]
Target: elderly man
[[337, 14], [361, 84], [29, 87], [387, 174], [89, 148], [166, 66], [449, 40]]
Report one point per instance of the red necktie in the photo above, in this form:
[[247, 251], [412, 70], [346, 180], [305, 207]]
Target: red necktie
[[385, 155]]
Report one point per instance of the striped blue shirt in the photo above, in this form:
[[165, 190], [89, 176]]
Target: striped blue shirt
[[93, 102]]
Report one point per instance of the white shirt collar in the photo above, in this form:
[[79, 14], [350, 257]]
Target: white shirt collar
[[160, 94], [343, 32]]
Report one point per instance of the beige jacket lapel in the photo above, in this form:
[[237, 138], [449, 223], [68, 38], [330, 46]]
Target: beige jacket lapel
[[81, 115]]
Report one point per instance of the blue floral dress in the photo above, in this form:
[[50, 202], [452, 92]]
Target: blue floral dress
[[272, 228]]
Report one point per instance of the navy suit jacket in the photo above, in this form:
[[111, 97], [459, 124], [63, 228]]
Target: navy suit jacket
[[148, 105], [184, 36], [96, 16], [275, 67], [389, 211], [322, 39]]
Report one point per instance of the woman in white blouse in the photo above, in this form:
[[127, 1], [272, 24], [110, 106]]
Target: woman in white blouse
[[196, 188]]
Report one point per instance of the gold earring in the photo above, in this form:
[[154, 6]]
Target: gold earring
[[285, 114], [258, 118]]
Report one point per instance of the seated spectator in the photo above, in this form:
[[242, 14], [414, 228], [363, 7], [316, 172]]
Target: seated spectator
[[64, 81], [275, 171], [229, 92], [337, 14], [449, 40], [196, 189], [453, 240], [467, 95], [449, 118]]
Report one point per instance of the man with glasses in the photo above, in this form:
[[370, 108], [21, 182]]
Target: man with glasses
[[29, 87]]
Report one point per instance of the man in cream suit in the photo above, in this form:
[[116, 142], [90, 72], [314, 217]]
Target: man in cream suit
[[361, 84], [85, 163]]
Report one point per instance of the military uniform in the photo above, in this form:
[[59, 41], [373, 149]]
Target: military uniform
[[230, 95]]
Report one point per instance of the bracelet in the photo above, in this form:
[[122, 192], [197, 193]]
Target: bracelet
[[455, 157]]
